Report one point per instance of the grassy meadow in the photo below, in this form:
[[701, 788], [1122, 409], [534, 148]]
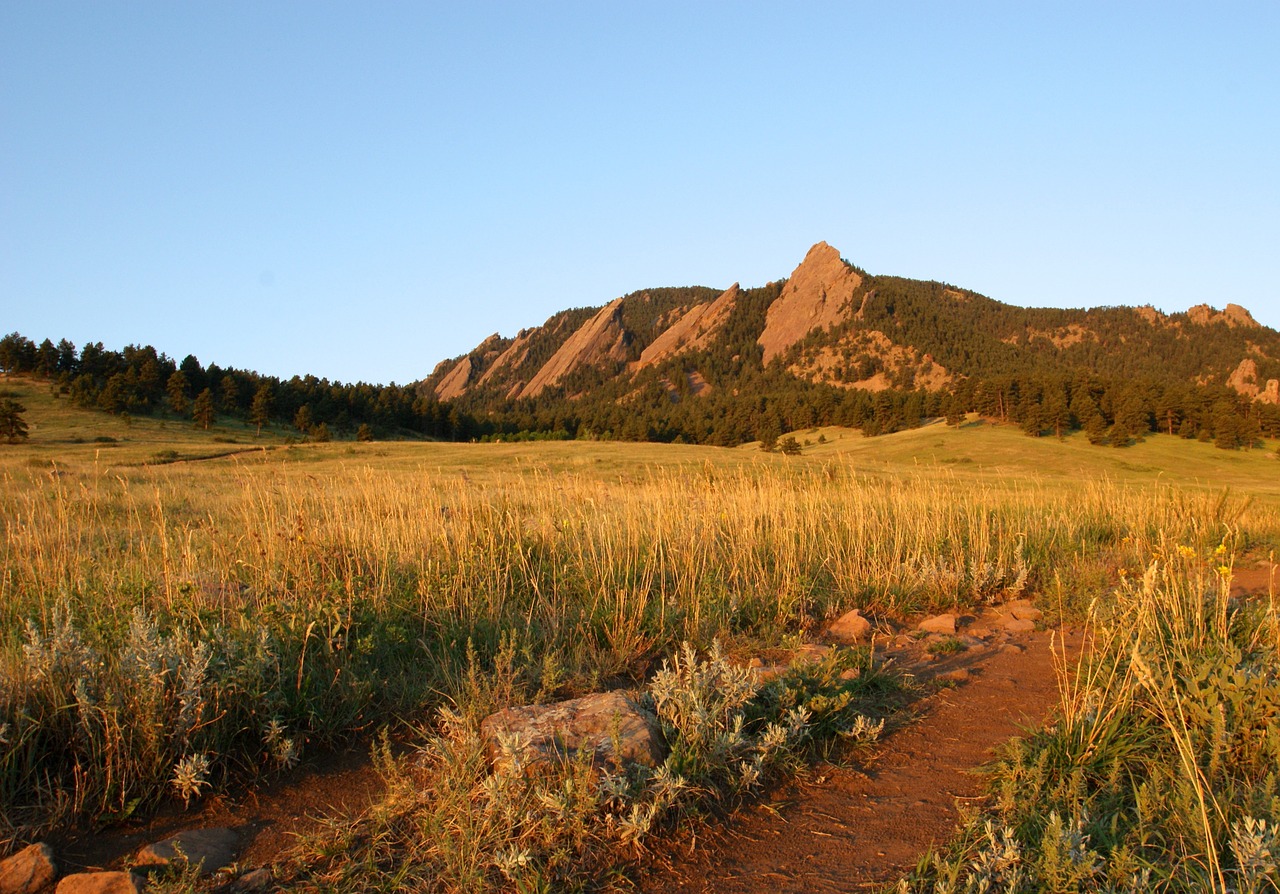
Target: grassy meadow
[[184, 610]]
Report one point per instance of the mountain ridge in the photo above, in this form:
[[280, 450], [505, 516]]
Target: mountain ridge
[[831, 323]]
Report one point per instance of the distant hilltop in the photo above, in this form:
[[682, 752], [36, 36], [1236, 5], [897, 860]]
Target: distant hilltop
[[832, 324]]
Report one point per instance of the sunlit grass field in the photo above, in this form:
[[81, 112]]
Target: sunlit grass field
[[181, 609]]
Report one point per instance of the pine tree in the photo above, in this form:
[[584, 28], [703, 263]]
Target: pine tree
[[13, 428], [202, 412], [177, 388], [1095, 428], [260, 409], [230, 397]]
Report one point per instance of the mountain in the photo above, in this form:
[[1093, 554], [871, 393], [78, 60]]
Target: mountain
[[831, 325]]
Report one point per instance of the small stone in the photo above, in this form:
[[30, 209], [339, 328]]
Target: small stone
[[852, 673], [1023, 610], [29, 870], [100, 883], [1016, 625], [850, 628], [209, 849], [767, 673], [549, 733], [1012, 649], [959, 675], [938, 624], [810, 653], [254, 880], [755, 662]]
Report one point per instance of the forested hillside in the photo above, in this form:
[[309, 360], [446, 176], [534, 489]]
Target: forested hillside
[[834, 344], [141, 381]]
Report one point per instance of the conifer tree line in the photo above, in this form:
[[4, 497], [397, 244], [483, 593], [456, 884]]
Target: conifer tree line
[[747, 401], [141, 381]]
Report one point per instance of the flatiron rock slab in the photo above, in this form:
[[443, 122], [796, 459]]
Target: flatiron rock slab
[[608, 724]]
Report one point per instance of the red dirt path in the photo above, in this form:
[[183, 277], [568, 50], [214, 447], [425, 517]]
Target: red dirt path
[[848, 829]]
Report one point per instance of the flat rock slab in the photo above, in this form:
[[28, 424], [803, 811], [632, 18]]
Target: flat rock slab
[[29, 870], [610, 725], [210, 849], [100, 883]]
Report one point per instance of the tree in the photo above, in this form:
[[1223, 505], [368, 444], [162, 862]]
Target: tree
[[176, 388], [788, 446], [230, 395], [113, 397], [320, 432], [365, 433], [13, 428], [260, 409], [203, 412], [1095, 428], [46, 359], [302, 419]]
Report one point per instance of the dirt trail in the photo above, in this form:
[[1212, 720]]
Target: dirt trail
[[850, 829], [268, 820]]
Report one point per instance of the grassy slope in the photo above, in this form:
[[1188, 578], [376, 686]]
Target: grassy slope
[[997, 453], [66, 434], [402, 551], [62, 433]]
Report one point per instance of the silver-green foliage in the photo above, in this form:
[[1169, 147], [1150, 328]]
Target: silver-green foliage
[[450, 824]]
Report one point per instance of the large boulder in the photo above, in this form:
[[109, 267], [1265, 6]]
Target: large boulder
[[27, 871], [611, 726]]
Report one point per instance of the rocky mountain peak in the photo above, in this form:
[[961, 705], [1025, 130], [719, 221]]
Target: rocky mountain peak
[[819, 294], [1233, 315]]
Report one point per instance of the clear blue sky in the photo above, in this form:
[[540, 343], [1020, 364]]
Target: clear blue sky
[[360, 190]]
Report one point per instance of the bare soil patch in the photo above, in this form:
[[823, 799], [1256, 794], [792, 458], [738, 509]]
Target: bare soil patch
[[268, 820]]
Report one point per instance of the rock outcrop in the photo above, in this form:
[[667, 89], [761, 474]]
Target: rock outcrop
[[1245, 380], [610, 726], [454, 383], [601, 338], [1233, 315], [694, 330], [510, 358], [819, 294]]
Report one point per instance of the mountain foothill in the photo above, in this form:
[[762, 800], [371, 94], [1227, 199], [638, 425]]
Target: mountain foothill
[[830, 345]]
